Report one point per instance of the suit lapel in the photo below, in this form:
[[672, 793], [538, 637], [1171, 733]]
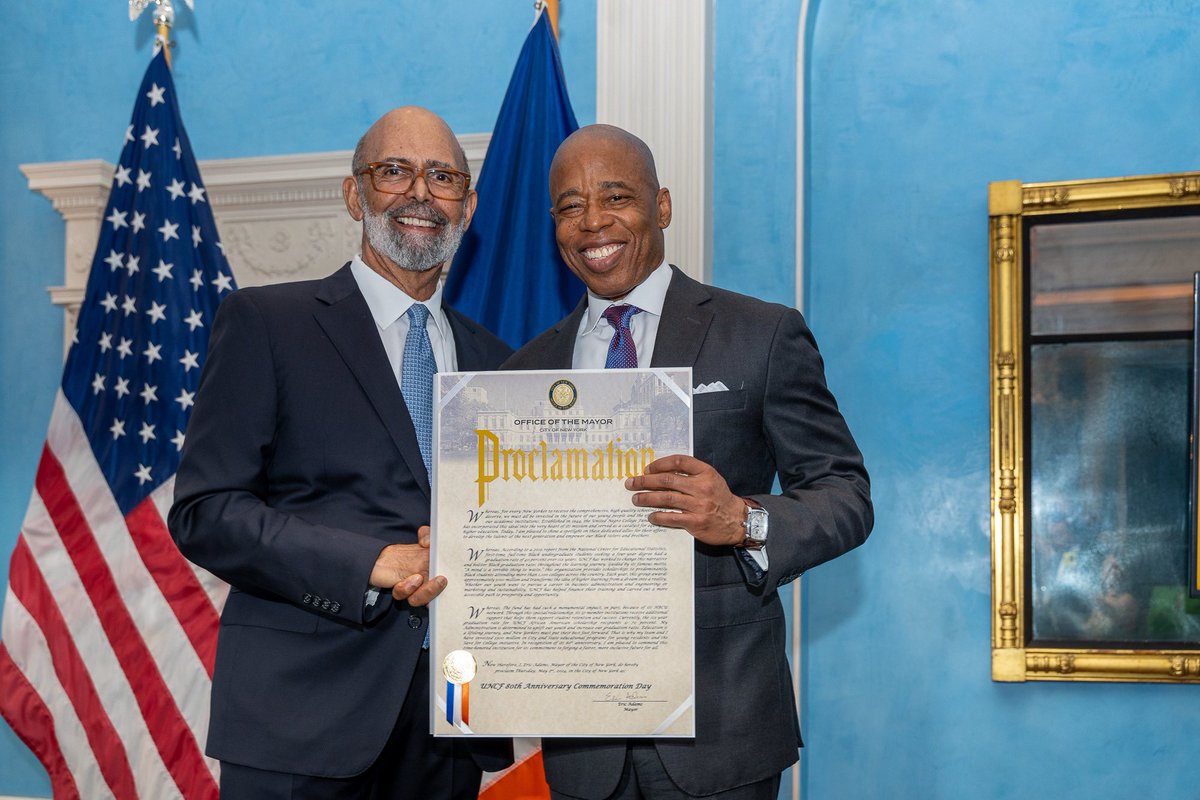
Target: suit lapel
[[558, 351], [347, 322], [468, 350], [684, 324]]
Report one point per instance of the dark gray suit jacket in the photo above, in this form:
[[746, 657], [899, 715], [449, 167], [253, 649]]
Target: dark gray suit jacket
[[301, 463], [777, 419]]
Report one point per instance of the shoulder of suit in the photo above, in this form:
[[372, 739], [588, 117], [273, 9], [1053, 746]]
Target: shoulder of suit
[[733, 301], [490, 340]]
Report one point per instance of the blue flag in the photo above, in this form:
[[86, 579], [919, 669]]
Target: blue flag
[[508, 275]]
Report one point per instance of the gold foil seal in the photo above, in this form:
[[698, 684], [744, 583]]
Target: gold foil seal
[[459, 667]]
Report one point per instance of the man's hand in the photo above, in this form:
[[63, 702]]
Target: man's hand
[[403, 569], [706, 508]]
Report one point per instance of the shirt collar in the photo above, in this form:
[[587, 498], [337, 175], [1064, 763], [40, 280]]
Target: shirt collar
[[389, 302], [649, 296]]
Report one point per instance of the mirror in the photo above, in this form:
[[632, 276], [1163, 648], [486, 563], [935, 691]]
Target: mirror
[[1092, 370]]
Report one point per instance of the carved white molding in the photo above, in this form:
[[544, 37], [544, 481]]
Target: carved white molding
[[280, 217], [654, 71]]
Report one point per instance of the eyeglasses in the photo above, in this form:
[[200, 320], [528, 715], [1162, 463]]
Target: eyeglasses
[[391, 177]]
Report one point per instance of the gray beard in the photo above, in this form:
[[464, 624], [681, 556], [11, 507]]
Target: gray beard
[[406, 253]]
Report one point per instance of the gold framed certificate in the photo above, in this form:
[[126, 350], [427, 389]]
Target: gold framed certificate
[[567, 613]]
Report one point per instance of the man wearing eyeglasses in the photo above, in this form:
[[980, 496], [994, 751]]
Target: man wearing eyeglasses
[[761, 412], [304, 483]]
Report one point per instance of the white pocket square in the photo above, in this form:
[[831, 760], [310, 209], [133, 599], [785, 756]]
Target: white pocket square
[[705, 388]]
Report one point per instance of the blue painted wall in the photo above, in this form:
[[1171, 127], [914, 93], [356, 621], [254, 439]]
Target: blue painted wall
[[914, 108]]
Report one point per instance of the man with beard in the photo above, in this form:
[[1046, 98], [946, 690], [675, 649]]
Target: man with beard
[[304, 483], [765, 415]]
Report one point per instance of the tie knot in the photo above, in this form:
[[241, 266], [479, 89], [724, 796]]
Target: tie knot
[[618, 316], [417, 314]]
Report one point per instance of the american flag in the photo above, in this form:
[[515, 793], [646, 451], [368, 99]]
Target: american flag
[[108, 635]]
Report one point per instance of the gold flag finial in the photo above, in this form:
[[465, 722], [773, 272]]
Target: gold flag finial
[[164, 18]]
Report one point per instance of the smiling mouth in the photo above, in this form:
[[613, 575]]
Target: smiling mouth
[[597, 253], [417, 222]]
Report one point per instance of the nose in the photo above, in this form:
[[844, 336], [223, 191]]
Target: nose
[[419, 189], [594, 218]]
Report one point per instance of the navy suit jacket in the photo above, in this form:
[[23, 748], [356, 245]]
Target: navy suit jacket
[[300, 465], [777, 419]]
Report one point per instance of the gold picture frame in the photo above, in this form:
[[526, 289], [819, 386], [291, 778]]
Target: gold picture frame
[[1034, 320]]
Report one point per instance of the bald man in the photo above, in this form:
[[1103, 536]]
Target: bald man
[[304, 484], [762, 412]]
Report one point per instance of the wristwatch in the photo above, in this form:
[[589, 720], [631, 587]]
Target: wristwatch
[[756, 523]]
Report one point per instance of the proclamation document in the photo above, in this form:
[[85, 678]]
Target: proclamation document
[[567, 613]]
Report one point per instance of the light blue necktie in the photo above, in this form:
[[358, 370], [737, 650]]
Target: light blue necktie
[[416, 384], [416, 380]]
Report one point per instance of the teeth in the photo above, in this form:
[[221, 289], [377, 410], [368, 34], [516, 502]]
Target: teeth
[[420, 223], [601, 252]]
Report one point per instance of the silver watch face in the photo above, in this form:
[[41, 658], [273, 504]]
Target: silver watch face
[[756, 524]]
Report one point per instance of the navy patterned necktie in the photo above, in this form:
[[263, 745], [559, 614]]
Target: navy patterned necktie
[[416, 380], [622, 353]]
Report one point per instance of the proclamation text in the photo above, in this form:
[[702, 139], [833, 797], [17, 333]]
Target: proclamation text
[[567, 613]]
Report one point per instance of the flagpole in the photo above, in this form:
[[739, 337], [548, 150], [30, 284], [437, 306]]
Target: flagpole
[[164, 18], [551, 7]]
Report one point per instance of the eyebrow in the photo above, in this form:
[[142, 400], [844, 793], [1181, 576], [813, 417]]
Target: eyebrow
[[428, 162], [573, 192]]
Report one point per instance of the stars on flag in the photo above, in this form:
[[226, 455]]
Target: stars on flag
[[185, 399], [149, 137], [144, 325], [147, 432]]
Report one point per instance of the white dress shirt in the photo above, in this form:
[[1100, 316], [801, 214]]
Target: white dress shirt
[[389, 308], [595, 335]]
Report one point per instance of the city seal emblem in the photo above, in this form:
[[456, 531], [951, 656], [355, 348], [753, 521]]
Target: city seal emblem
[[563, 394]]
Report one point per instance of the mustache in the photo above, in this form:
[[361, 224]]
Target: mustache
[[420, 210]]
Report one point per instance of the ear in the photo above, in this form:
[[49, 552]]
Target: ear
[[664, 208], [469, 203], [352, 197]]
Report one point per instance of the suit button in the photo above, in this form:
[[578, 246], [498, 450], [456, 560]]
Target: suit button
[[336, 607], [325, 605], [307, 598], [414, 622]]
